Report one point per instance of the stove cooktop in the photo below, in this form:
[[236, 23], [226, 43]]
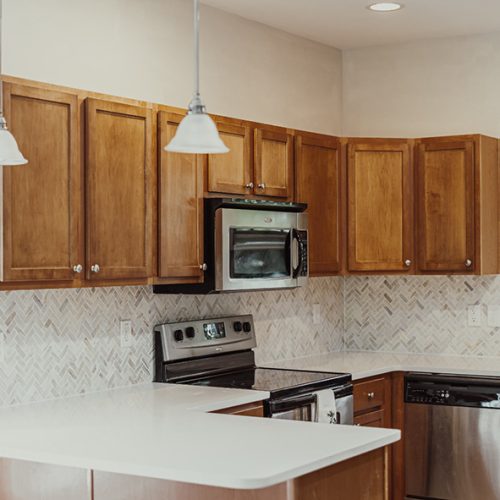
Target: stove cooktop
[[278, 382]]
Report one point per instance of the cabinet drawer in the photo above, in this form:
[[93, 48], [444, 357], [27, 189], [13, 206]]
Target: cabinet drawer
[[248, 410], [370, 419], [368, 395]]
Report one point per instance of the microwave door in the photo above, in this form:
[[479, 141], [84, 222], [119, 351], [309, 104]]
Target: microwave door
[[254, 250]]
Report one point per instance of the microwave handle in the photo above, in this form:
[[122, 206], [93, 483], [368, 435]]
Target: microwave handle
[[296, 235]]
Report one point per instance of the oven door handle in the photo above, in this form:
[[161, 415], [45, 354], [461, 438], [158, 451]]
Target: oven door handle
[[282, 405], [296, 236]]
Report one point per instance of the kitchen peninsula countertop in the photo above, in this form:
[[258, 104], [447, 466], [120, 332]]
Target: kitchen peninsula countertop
[[165, 431], [363, 364]]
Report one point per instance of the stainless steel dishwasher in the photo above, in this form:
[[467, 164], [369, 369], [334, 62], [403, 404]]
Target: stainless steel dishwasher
[[452, 437]]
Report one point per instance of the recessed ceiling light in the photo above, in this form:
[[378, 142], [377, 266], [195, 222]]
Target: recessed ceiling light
[[385, 6]]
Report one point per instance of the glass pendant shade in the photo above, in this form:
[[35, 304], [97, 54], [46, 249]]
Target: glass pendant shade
[[9, 151], [197, 133]]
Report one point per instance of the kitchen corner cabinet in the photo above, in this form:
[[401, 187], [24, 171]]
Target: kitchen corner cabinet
[[379, 206], [319, 183], [260, 161], [119, 168], [42, 210], [180, 208], [457, 205]]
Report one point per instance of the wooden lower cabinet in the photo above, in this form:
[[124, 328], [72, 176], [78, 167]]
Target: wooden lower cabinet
[[248, 410], [22, 480], [360, 478]]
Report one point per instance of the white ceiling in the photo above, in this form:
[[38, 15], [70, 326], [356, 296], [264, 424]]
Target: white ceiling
[[348, 23]]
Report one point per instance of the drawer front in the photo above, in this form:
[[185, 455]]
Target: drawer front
[[369, 395], [248, 410], [371, 419]]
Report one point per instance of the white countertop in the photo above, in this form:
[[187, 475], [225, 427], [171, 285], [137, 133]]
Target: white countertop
[[367, 364], [164, 431]]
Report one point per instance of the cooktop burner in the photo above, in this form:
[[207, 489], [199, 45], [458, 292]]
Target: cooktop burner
[[276, 381]]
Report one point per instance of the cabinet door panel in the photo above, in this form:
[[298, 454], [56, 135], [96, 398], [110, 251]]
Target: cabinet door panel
[[23, 480], [318, 174], [273, 163], [180, 246], [379, 207], [231, 172], [118, 176], [445, 210], [42, 202]]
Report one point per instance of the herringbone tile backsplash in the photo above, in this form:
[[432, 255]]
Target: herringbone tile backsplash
[[420, 314], [57, 343]]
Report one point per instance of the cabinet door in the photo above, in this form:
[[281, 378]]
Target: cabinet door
[[380, 232], [180, 197], [445, 206], [273, 163], [118, 176], [319, 184], [231, 172], [41, 200]]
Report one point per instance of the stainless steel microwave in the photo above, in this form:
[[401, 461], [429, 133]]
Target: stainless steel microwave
[[251, 245]]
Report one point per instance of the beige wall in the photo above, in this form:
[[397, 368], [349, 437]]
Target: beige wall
[[433, 87], [143, 49]]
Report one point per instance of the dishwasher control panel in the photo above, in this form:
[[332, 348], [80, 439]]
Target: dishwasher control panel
[[452, 390]]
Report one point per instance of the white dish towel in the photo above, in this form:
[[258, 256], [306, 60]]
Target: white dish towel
[[326, 409]]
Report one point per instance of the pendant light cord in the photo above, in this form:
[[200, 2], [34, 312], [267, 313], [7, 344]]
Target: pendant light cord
[[196, 47]]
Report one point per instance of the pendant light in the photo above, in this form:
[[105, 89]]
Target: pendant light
[[9, 151], [197, 132]]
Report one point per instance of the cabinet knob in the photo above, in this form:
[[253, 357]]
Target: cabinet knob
[[249, 185], [468, 263], [371, 395], [95, 268], [78, 268], [203, 267], [407, 262], [261, 186]]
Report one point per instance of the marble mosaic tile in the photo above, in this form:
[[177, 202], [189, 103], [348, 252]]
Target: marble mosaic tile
[[57, 343]]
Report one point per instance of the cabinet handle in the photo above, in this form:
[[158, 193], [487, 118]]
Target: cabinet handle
[[203, 267], [371, 395], [261, 186], [249, 185], [468, 263], [78, 268], [407, 262], [95, 268]]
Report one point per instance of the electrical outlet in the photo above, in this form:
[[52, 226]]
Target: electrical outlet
[[493, 315], [126, 338], [316, 314], [474, 315], [2, 347]]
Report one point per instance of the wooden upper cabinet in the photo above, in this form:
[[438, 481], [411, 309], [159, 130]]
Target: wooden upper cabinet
[[42, 200], [231, 172], [119, 156], [319, 184], [180, 207], [380, 206], [457, 205], [273, 163]]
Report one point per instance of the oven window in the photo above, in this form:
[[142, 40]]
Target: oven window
[[259, 253]]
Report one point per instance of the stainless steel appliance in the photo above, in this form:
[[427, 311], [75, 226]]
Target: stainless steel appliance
[[452, 437], [218, 352], [251, 245]]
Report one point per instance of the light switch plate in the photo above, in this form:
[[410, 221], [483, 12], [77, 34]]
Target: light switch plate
[[474, 315], [126, 338], [493, 315]]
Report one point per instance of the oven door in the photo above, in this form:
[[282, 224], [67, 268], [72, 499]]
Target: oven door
[[256, 249], [295, 408]]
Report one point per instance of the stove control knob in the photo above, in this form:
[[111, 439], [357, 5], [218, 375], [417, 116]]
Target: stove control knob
[[247, 327], [190, 332], [237, 326], [178, 336]]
